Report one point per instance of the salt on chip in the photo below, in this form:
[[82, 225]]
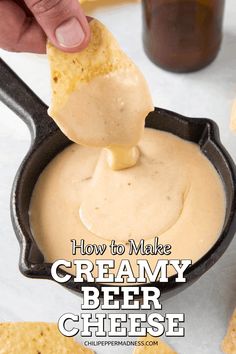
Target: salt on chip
[[229, 342], [36, 337], [83, 1], [150, 348]]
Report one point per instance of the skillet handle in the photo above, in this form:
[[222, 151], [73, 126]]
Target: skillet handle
[[15, 94]]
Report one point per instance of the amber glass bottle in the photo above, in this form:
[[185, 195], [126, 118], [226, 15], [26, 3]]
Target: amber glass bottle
[[182, 35]]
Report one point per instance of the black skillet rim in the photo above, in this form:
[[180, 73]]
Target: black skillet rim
[[43, 270]]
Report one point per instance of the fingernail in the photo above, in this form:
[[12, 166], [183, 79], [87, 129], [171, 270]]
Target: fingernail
[[70, 34]]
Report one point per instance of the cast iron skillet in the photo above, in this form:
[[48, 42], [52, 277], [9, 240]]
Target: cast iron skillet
[[48, 141]]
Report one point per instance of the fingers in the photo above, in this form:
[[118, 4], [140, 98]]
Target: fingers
[[18, 32], [63, 21]]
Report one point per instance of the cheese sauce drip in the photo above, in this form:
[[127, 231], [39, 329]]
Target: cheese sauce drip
[[108, 111]]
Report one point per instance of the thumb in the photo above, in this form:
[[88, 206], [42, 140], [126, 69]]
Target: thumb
[[63, 21]]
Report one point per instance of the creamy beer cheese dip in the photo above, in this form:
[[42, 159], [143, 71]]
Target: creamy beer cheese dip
[[88, 192], [173, 193]]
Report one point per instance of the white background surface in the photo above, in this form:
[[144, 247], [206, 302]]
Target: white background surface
[[209, 93]]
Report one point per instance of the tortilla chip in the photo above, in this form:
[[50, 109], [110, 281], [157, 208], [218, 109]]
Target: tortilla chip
[[160, 348], [102, 56], [233, 117], [229, 342], [36, 338]]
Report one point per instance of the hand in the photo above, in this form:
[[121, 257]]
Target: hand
[[26, 24]]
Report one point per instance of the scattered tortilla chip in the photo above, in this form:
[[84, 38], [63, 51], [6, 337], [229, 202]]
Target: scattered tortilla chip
[[36, 338], [229, 342], [102, 56], [233, 117], [160, 348]]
